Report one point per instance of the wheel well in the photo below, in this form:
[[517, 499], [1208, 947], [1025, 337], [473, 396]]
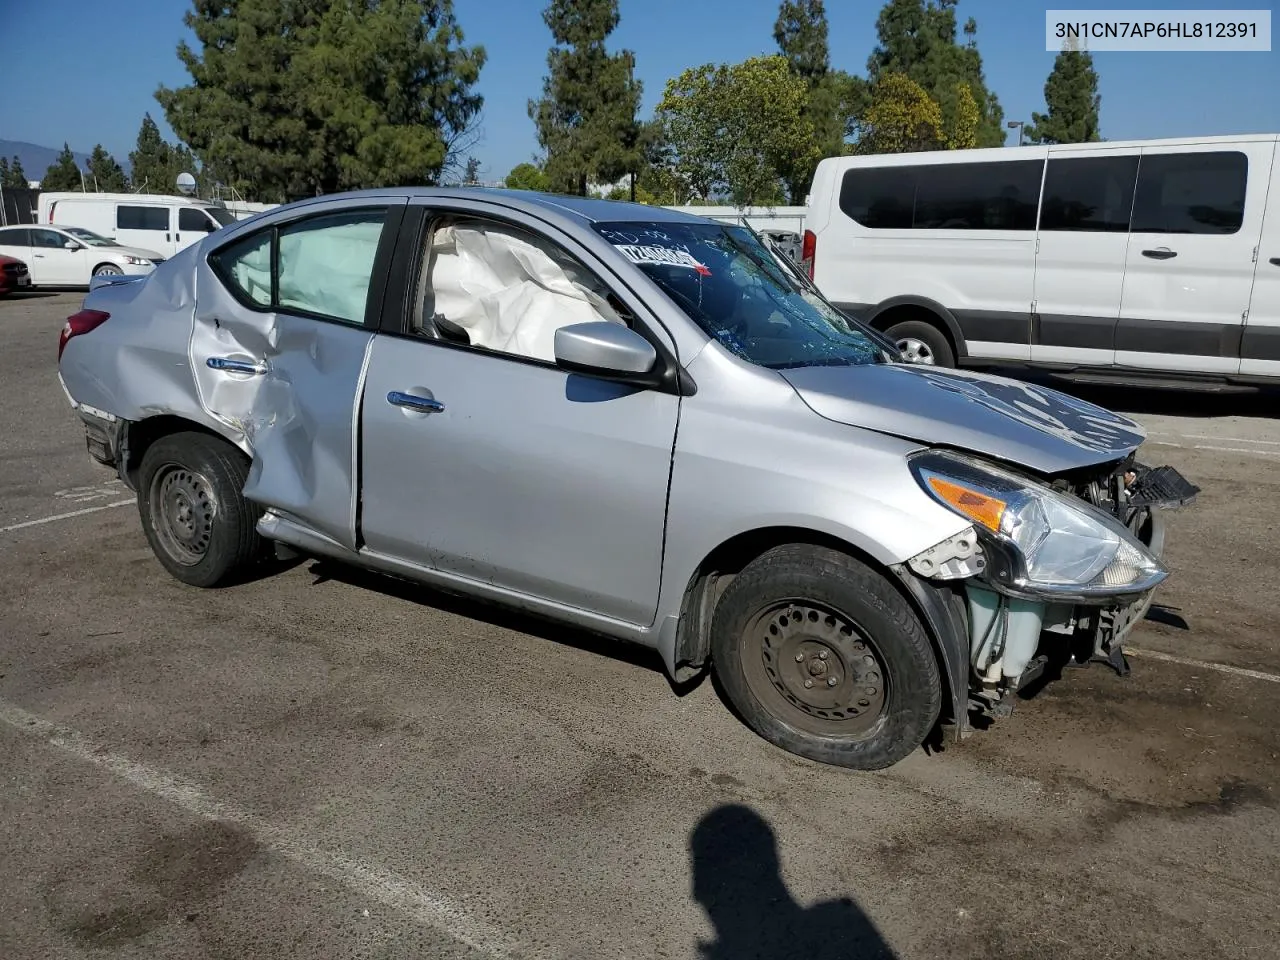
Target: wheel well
[[716, 572], [141, 434], [105, 263], [911, 311]]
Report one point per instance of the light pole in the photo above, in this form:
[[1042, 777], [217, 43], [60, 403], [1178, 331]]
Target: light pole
[[1016, 123]]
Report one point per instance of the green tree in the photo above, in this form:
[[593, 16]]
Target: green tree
[[962, 132], [151, 161], [586, 118], [105, 172], [901, 118], [1071, 94], [733, 129], [471, 174], [526, 176], [63, 174], [834, 97], [918, 38], [293, 98], [17, 177]]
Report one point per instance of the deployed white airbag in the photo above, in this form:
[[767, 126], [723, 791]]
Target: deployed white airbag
[[509, 293], [325, 267]]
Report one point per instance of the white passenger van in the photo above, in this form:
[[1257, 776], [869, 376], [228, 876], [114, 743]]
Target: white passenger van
[[1156, 259], [150, 220]]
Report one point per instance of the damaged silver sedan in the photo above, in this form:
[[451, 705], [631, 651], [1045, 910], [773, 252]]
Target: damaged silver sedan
[[637, 422]]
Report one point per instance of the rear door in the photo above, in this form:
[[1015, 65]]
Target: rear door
[[1080, 255], [1260, 349], [1197, 215], [150, 226], [284, 318]]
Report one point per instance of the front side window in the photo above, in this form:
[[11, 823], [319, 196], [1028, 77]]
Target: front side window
[[1190, 192], [729, 284], [49, 239], [192, 220], [142, 218], [1093, 194], [499, 287]]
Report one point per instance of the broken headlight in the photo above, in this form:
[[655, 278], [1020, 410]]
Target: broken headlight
[[1040, 542]]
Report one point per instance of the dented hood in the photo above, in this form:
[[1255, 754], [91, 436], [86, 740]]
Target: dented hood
[[1041, 429]]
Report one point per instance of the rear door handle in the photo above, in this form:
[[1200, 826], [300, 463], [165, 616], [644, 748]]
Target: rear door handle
[[236, 366], [414, 402], [1160, 253]]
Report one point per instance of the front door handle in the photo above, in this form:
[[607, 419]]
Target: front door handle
[[414, 402], [1160, 253], [236, 366]]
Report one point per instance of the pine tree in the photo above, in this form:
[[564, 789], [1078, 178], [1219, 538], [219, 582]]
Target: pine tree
[[304, 97], [1071, 94], [151, 160], [105, 172], [63, 174], [586, 119], [834, 97], [918, 38], [15, 176]]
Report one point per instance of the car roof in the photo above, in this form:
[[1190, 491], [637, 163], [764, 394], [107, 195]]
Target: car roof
[[585, 209]]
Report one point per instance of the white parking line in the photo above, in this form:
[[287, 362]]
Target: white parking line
[[64, 516], [1203, 664], [1247, 451], [369, 880]]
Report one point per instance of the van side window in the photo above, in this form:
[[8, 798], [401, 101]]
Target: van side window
[[1191, 192], [1092, 194], [1002, 195], [142, 218], [194, 221]]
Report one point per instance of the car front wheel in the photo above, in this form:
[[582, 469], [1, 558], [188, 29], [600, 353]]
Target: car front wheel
[[823, 657], [195, 517]]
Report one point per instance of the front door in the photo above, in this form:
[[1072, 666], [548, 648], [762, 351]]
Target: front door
[[52, 264], [484, 460], [1197, 214], [279, 358]]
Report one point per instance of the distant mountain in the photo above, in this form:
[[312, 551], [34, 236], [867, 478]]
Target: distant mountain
[[37, 159]]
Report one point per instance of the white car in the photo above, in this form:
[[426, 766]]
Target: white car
[[70, 256]]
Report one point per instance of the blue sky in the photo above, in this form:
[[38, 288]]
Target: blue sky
[[85, 72]]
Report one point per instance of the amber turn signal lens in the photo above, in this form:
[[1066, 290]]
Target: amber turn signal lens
[[978, 507]]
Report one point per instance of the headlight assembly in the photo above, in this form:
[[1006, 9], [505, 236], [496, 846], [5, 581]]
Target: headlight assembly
[[137, 261], [1041, 543]]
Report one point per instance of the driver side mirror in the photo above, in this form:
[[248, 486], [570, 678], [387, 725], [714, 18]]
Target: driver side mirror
[[605, 349], [71, 245]]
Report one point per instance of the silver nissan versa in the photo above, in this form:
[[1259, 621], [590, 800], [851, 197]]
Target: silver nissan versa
[[638, 422]]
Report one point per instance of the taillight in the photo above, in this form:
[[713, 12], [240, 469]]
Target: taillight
[[79, 323], [808, 251]]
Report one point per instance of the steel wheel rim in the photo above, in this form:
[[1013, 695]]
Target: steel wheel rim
[[182, 512], [916, 351], [109, 269], [816, 668]]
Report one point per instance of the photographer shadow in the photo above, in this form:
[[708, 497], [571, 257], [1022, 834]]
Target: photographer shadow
[[737, 880]]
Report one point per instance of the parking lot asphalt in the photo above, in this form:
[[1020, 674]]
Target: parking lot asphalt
[[326, 763]]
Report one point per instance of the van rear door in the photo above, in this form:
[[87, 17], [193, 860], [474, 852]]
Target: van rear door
[[1260, 347], [1197, 216]]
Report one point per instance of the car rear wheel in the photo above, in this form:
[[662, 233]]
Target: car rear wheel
[[195, 517], [107, 269], [822, 657], [922, 342]]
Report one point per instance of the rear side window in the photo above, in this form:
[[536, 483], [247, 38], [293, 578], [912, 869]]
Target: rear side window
[[142, 218], [190, 219], [321, 266], [15, 238], [1093, 194], [1002, 195], [1191, 192]]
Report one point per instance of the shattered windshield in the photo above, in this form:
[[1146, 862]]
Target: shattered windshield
[[733, 288]]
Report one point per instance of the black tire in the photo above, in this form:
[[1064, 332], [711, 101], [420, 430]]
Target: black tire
[[762, 657], [926, 334], [195, 517], [105, 269]]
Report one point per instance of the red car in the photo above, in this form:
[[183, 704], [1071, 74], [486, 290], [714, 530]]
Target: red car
[[13, 275]]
